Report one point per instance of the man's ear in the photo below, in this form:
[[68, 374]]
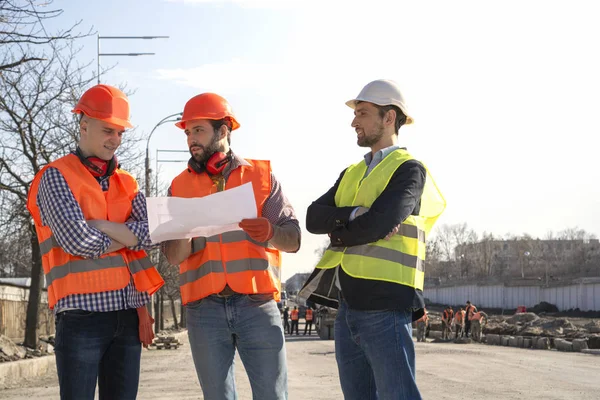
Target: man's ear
[[83, 125], [223, 131], [390, 117]]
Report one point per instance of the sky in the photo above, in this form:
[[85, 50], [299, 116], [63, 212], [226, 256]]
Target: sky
[[505, 94]]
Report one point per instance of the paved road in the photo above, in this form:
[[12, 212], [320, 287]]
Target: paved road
[[444, 371]]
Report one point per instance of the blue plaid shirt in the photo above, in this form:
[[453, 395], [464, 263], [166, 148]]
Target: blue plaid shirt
[[60, 211]]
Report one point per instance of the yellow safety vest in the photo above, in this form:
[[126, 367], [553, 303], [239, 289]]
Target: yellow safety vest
[[401, 259]]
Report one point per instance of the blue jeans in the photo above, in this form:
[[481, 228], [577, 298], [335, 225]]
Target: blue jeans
[[217, 326], [375, 354], [98, 346]]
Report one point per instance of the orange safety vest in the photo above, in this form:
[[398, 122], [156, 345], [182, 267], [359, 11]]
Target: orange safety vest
[[294, 315], [67, 274], [470, 311], [448, 314], [460, 316], [232, 258], [309, 314]]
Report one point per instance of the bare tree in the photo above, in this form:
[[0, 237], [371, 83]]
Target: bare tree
[[14, 245], [452, 242], [22, 29], [483, 257]]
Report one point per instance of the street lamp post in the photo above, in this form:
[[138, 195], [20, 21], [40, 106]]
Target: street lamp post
[[176, 117], [98, 54], [158, 159], [162, 121]]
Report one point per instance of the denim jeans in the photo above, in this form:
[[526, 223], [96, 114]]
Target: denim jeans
[[98, 346], [375, 354], [217, 326]]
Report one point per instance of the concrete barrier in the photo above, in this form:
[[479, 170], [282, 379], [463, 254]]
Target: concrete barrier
[[527, 342], [13, 371], [504, 340], [520, 341], [513, 341], [580, 344], [595, 352], [493, 339], [594, 342], [542, 343], [563, 345]]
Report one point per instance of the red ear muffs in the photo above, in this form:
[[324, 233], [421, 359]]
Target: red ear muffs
[[217, 162], [214, 166], [97, 166]]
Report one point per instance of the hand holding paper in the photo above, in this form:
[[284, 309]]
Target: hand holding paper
[[259, 229], [172, 218]]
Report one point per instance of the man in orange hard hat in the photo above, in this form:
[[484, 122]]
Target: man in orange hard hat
[[230, 282], [92, 228]]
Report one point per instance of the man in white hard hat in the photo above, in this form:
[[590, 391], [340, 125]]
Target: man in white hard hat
[[377, 216]]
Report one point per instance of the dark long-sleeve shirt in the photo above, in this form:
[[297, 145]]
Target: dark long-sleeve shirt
[[400, 199]]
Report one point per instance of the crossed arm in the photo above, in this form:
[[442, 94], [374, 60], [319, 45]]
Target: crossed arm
[[397, 201], [92, 238]]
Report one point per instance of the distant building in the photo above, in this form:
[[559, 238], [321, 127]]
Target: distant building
[[522, 254]]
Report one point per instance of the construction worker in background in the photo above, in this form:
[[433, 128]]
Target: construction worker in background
[[447, 317], [308, 320], [459, 320], [377, 216], [478, 322], [295, 317], [230, 283], [469, 310], [422, 326], [286, 319], [92, 227]]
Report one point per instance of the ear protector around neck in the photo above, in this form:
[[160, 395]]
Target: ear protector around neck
[[215, 164], [97, 166]]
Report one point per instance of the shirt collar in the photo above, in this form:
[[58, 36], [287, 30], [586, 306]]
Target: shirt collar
[[381, 154]]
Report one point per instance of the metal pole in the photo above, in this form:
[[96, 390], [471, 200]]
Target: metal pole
[[98, 57], [147, 193], [147, 182], [98, 54]]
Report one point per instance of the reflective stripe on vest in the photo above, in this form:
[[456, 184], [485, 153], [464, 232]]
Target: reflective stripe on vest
[[232, 258], [401, 259], [67, 274]]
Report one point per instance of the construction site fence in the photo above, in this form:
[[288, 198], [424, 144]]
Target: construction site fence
[[582, 294]]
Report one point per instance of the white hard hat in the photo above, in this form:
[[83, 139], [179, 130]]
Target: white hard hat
[[382, 92]]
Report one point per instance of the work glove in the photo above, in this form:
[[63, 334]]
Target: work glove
[[259, 229], [145, 326]]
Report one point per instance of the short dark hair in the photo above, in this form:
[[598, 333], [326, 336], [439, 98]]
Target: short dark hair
[[400, 116], [217, 123]]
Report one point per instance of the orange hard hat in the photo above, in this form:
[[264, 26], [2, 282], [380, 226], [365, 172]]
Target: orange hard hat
[[207, 106], [106, 103]]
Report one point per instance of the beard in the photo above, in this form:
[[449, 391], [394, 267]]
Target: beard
[[371, 140], [207, 151]]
